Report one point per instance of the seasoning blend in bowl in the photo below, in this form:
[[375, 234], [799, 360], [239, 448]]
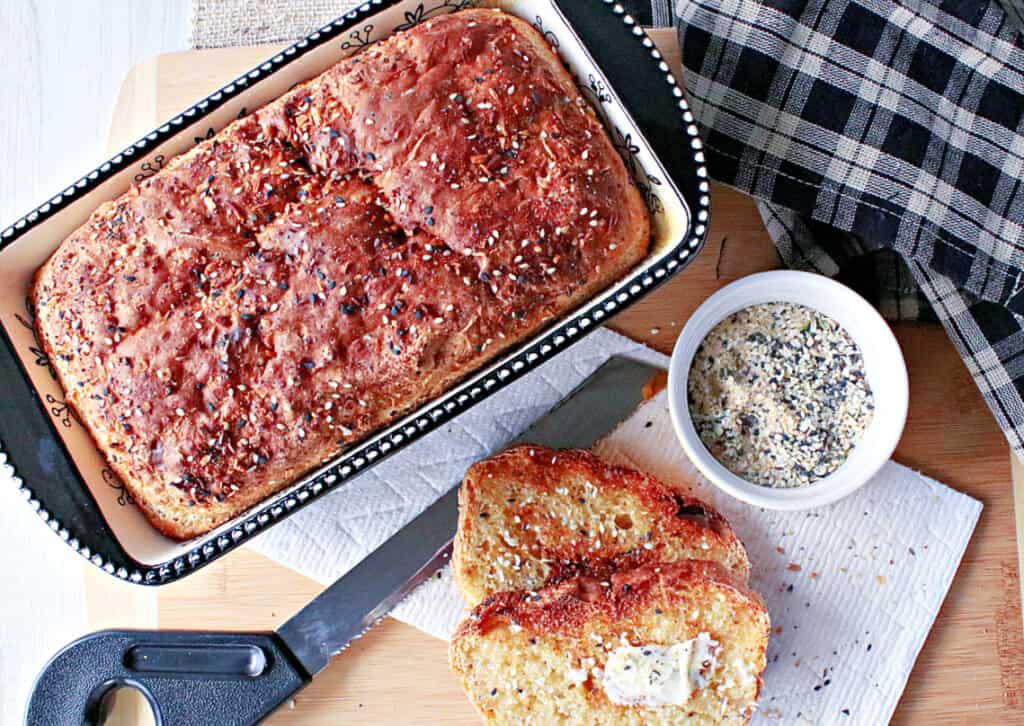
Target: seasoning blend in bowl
[[777, 393], [787, 390]]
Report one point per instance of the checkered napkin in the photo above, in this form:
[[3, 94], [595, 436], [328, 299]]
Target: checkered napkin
[[885, 143]]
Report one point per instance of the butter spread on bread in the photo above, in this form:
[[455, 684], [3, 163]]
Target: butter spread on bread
[[659, 675]]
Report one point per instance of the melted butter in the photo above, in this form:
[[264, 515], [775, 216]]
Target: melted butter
[[659, 675]]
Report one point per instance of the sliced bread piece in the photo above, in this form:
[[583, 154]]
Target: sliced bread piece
[[531, 515], [680, 643]]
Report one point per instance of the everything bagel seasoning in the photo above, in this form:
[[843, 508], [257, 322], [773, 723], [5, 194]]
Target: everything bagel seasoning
[[778, 395]]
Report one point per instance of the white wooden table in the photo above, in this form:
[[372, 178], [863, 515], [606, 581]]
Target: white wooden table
[[61, 65]]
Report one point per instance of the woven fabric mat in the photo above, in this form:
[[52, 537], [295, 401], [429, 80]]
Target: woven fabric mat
[[224, 23]]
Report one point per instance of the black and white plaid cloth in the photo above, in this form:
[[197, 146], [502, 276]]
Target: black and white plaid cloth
[[885, 143]]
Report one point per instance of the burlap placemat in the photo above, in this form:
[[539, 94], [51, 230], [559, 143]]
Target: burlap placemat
[[223, 23]]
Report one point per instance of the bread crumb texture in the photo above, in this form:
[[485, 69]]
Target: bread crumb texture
[[533, 515], [575, 565], [537, 657]]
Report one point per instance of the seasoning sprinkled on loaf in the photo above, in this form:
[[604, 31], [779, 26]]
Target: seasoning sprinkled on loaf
[[333, 260]]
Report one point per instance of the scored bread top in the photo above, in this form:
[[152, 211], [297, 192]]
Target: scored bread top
[[330, 261], [532, 515], [538, 654]]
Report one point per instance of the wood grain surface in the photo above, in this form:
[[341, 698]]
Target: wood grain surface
[[971, 670]]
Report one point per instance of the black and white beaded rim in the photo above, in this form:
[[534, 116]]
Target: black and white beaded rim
[[436, 413]]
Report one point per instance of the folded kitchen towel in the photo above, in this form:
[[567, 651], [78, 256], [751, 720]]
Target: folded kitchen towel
[[852, 588]]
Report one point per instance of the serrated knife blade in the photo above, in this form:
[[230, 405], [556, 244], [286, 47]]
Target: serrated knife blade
[[195, 678]]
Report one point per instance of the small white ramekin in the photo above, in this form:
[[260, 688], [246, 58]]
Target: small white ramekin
[[883, 365]]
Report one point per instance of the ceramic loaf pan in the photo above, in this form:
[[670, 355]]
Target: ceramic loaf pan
[[64, 477]]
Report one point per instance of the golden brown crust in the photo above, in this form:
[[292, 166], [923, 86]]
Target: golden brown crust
[[569, 607], [332, 261], [531, 515]]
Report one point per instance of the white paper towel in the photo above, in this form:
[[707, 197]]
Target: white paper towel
[[852, 588]]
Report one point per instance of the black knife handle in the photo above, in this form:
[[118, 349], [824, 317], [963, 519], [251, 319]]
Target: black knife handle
[[189, 678]]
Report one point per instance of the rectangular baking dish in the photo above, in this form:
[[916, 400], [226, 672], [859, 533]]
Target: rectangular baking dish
[[58, 468]]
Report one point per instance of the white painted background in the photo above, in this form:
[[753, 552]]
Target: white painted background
[[61, 65]]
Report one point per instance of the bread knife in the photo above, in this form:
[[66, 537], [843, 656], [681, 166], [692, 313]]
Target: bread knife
[[193, 678]]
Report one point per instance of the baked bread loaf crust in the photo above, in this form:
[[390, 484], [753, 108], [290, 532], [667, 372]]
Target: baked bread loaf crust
[[531, 515], [556, 655], [332, 261]]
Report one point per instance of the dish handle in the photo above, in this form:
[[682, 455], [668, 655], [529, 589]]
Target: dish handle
[[37, 454], [659, 115]]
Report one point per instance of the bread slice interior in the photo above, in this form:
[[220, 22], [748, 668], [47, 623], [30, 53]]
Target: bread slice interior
[[680, 643], [531, 516]]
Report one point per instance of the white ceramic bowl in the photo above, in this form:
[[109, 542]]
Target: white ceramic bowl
[[883, 364]]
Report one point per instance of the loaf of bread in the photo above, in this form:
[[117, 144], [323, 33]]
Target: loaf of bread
[[333, 260], [531, 515], [680, 643]]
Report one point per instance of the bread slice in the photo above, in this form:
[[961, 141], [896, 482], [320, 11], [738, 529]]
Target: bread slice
[[531, 515], [554, 655]]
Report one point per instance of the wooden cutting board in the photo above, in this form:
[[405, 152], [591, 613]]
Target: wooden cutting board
[[971, 669]]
